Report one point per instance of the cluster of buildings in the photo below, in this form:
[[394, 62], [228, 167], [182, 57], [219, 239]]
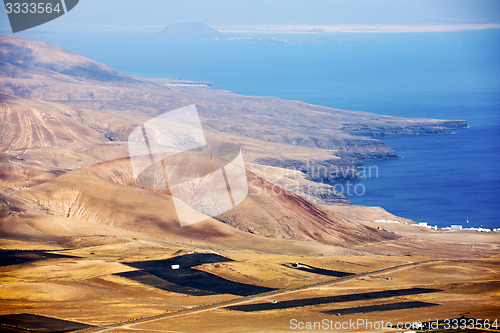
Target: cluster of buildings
[[435, 227]]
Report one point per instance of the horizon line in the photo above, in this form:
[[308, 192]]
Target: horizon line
[[352, 28]]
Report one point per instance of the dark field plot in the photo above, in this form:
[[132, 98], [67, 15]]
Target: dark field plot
[[381, 308], [315, 270], [186, 279], [14, 257], [34, 323], [331, 299], [184, 261]]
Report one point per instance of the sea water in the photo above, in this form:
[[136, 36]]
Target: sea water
[[440, 179]]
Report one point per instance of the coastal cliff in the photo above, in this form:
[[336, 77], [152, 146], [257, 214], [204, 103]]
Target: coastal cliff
[[373, 131]]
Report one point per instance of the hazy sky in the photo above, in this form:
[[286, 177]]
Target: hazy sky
[[137, 13]]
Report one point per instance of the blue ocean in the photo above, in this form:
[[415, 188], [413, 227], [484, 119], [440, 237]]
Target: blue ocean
[[440, 179]]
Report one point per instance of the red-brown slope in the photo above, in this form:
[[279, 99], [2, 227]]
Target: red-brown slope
[[32, 124], [91, 205], [271, 211]]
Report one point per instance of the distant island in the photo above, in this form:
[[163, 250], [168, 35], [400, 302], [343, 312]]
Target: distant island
[[191, 29]]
